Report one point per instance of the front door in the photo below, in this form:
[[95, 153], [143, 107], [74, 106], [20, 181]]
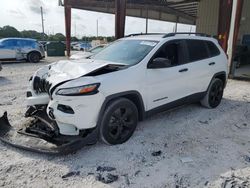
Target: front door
[[165, 85]]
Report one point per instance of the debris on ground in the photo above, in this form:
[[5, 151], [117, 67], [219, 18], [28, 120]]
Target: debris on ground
[[247, 158], [69, 174], [137, 172], [235, 182], [126, 179], [107, 179], [204, 122], [156, 153], [186, 160], [105, 169]]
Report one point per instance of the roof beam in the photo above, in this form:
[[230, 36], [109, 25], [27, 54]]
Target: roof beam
[[152, 5]]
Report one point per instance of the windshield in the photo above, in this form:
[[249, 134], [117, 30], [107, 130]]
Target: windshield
[[127, 52], [96, 49]]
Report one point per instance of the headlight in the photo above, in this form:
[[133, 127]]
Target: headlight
[[81, 90]]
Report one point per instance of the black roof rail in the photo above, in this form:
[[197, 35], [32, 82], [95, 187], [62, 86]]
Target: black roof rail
[[137, 34], [186, 33]]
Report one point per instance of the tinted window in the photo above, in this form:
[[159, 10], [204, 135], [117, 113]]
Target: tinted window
[[26, 43], [9, 43], [197, 50], [174, 51], [213, 50]]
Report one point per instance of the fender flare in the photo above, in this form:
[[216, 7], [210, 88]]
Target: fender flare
[[108, 99], [222, 73]]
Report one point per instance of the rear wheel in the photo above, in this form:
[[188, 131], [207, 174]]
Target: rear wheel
[[214, 94], [119, 121], [34, 57]]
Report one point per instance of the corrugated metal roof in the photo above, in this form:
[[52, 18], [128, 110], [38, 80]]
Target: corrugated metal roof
[[183, 11]]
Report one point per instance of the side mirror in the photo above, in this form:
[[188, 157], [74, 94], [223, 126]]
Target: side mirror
[[159, 63]]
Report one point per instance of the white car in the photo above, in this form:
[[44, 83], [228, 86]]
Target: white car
[[129, 80], [86, 54]]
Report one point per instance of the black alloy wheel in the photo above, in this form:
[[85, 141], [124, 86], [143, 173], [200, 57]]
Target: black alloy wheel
[[119, 121]]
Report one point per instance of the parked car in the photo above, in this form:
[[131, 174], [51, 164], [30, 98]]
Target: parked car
[[129, 79], [104, 97], [21, 49], [82, 46], [88, 53]]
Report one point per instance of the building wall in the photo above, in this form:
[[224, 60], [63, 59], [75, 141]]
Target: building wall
[[208, 13], [207, 17]]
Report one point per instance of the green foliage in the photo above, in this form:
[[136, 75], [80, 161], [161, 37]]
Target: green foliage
[[9, 31], [33, 34]]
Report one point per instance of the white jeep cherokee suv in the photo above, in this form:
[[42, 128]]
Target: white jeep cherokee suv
[[129, 80]]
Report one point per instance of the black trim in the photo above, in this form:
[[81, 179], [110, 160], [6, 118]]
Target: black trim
[[222, 73], [156, 100], [186, 100]]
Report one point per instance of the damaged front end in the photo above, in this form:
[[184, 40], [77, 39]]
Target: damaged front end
[[41, 134]]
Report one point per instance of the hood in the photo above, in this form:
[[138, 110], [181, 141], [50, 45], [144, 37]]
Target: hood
[[66, 70]]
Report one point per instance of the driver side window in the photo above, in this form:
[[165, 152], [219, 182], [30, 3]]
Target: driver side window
[[173, 51]]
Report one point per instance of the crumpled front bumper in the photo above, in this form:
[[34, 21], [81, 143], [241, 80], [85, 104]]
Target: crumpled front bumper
[[59, 144]]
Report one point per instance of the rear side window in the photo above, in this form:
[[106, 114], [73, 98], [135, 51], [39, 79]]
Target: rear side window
[[26, 43], [197, 50], [9, 43], [213, 50]]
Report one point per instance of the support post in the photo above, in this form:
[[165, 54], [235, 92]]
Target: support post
[[225, 11], [147, 21], [42, 22], [235, 26], [67, 10], [120, 18], [176, 24]]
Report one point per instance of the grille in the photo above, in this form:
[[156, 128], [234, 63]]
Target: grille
[[41, 85]]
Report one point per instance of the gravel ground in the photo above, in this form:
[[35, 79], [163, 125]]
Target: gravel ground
[[187, 147]]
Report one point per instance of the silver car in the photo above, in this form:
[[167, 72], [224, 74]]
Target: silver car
[[21, 49]]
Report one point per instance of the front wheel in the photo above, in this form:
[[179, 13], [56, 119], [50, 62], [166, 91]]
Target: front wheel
[[119, 121], [214, 94]]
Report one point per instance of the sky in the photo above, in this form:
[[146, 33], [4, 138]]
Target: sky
[[25, 15]]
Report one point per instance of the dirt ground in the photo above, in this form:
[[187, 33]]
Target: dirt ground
[[187, 147]]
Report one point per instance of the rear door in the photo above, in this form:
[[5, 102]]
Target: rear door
[[165, 85], [200, 64], [8, 50]]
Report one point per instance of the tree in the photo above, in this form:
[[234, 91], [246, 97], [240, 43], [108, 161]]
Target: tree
[[9, 31], [33, 34]]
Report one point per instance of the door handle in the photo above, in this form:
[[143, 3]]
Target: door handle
[[183, 70], [212, 63]]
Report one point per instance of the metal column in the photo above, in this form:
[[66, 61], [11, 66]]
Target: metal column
[[120, 18], [225, 12], [67, 10], [236, 19]]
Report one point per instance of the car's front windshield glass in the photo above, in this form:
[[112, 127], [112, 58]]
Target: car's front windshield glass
[[127, 52], [96, 49]]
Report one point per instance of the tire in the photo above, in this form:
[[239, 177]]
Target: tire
[[214, 94], [34, 57], [119, 121]]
